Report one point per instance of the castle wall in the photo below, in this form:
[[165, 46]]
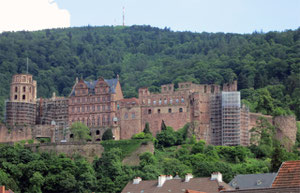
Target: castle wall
[[19, 113], [286, 130], [89, 150]]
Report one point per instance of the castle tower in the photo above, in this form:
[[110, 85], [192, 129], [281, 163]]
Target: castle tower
[[21, 108], [23, 88]]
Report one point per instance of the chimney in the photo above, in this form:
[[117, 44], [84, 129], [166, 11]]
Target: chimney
[[161, 180], [216, 176], [137, 180], [169, 177], [188, 177]]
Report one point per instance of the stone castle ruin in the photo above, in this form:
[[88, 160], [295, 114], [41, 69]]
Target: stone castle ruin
[[215, 112]]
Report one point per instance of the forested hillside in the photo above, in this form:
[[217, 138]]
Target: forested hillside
[[266, 65]]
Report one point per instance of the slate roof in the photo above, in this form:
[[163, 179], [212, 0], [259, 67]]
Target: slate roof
[[176, 186], [266, 190], [288, 175], [112, 83], [251, 181]]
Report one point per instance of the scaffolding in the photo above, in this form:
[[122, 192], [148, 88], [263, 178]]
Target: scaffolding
[[231, 118], [216, 119], [19, 113]]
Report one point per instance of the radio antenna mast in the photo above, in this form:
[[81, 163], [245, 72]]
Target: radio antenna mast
[[123, 16]]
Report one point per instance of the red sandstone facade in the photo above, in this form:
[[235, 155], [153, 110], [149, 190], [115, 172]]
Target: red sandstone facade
[[100, 105]]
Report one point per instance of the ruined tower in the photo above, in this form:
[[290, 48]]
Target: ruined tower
[[21, 107]]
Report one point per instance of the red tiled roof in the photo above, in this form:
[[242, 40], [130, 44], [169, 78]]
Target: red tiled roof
[[176, 186], [288, 175]]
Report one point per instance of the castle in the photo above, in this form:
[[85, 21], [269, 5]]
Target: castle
[[215, 112]]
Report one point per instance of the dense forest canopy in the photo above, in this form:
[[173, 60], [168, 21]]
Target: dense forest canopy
[[266, 65]]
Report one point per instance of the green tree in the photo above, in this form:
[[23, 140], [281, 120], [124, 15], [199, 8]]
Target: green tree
[[80, 131], [147, 129], [108, 135]]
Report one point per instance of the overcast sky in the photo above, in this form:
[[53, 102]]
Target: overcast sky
[[238, 16]]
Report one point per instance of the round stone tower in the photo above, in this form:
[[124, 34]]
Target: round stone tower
[[23, 88], [21, 108]]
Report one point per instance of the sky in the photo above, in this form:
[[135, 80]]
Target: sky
[[234, 16]]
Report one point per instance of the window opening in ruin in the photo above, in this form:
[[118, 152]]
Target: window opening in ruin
[[71, 136], [166, 101], [154, 102], [180, 110], [158, 111], [126, 116], [98, 139], [24, 89], [24, 97], [182, 99], [97, 132], [177, 100], [118, 106], [149, 101], [170, 110], [16, 97], [133, 115], [149, 111], [159, 101], [171, 101], [16, 89]]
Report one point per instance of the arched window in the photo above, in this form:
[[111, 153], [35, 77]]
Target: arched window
[[126, 116], [24, 97], [158, 111], [16, 89], [16, 97], [71, 136], [24, 88], [149, 111], [170, 110], [180, 110]]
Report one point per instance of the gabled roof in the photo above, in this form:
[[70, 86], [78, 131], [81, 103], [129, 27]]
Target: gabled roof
[[250, 181], [176, 186], [112, 83], [288, 175]]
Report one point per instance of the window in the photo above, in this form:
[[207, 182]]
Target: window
[[154, 102], [159, 101], [98, 99], [88, 109], [73, 109], [180, 110], [118, 106], [78, 100], [149, 111], [16, 89], [98, 122], [103, 99], [24, 89], [78, 109], [170, 110], [182, 99], [166, 101], [16, 97], [108, 98], [83, 100], [98, 107], [177, 100], [126, 116], [108, 107], [158, 111], [205, 89], [73, 101], [83, 109], [97, 131], [103, 108], [93, 108], [24, 97], [171, 101], [71, 136], [133, 115], [149, 101]]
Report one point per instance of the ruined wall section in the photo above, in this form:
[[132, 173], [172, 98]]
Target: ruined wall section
[[170, 106], [19, 133], [129, 117], [286, 130]]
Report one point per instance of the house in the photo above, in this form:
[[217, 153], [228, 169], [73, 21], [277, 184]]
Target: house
[[165, 184], [252, 181], [288, 175]]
